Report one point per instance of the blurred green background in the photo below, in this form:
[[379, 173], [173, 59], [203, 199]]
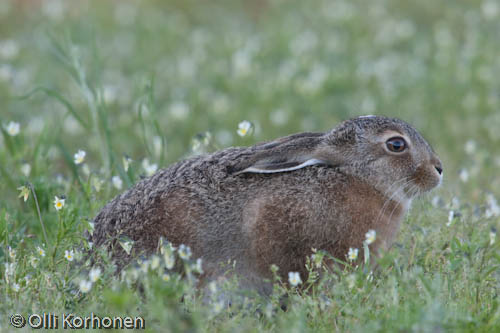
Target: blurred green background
[[161, 72], [161, 80]]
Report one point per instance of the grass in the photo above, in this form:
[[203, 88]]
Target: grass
[[161, 81]]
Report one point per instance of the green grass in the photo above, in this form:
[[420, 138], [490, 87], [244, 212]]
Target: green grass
[[163, 80]]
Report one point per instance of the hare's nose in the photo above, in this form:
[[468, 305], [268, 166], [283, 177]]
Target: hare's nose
[[439, 169]]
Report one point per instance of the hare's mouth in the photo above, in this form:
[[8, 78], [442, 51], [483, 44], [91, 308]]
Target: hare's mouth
[[425, 179]]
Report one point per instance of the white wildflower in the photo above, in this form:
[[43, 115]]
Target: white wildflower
[[184, 252], [169, 260], [155, 262], [117, 182], [69, 255], [85, 286], [451, 215], [59, 203], [12, 253], [80, 156], [26, 169], [294, 278], [493, 236], [371, 235], [126, 160], [40, 251], [244, 128], [464, 175], [13, 128], [149, 168], [470, 147], [352, 254], [34, 261], [94, 274], [16, 287]]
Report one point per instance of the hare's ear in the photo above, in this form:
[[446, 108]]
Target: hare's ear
[[280, 166], [298, 151]]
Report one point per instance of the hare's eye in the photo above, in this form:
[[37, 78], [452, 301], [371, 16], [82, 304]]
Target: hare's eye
[[396, 145]]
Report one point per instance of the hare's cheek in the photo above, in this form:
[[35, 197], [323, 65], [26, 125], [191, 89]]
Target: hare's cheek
[[425, 178]]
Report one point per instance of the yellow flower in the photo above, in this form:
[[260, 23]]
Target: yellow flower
[[25, 192], [244, 128], [59, 203]]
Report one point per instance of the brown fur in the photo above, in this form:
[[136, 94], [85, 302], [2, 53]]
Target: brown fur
[[227, 211]]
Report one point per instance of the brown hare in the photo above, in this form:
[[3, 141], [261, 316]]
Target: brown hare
[[273, 202]]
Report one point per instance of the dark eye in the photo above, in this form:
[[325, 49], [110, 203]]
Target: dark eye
[[396, 145]]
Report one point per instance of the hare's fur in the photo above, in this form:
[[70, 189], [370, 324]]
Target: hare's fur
[[273, 202]]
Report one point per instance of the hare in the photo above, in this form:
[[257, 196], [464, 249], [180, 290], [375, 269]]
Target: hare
[[273, 202]]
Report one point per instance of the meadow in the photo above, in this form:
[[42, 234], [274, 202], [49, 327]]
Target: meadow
[[96, 94]]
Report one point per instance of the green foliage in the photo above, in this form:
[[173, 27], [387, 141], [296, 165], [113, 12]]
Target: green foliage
[[140, 85]]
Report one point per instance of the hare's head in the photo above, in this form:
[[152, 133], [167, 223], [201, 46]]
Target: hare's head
[[388, 153], [385, 152]]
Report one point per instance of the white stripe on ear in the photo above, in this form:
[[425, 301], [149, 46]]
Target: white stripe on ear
[[254, 169]]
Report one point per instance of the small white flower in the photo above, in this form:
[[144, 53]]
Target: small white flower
[[13, 128], [451, 215], [371, 235], [184, 252], [198, 266], [9, 49], [218, 306], [117, 182], [94, 274], [40, 251], [244, 128], [149, 168], [351, 281], [34, 261], [464, 175], [126, 162], [86, 169], [12, 253], [85, 286], [155, 262], [179, 110], [59, 203], [493, 236], [80, 156], [294, 278], [16, 287], [69, 255], [165, 277], [169, 260], [470, 147], [9, 268], [26, 169], [212, 286], [145, 266], [352, 254]]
